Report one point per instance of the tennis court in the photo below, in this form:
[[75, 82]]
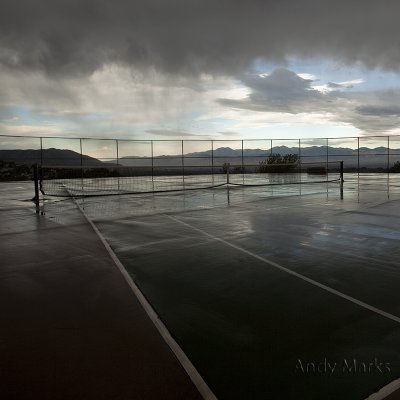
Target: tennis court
[[279, 292]]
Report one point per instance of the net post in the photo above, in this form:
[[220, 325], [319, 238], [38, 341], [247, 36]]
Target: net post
[[341, 173], [227, 173], [36, 183]]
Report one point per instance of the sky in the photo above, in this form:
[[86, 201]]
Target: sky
[[199, 69]]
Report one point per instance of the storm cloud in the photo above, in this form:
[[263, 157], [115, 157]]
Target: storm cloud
[[181, 68], [283, 91], [190, 37]]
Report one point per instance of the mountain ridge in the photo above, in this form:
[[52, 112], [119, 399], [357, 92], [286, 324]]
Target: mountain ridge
[[369, 157], [50, 156]]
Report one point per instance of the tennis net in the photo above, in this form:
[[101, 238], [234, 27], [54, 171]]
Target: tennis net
[[84, 181]]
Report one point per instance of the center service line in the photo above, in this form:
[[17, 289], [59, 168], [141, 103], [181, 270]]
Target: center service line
[[289, 271]]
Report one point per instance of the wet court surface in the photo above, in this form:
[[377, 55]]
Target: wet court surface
[[281, 297], [287, 293], [71, 328]]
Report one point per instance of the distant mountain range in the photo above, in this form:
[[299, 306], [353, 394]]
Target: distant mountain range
[[48, 157], [369, 158], [283, 150]]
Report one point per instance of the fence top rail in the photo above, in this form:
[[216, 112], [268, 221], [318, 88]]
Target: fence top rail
[[144, 140]]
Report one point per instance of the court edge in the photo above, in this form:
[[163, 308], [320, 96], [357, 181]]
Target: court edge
[[190, 369]]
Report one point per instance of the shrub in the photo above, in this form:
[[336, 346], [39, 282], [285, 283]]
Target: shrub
[[396, 167], [278, 163]]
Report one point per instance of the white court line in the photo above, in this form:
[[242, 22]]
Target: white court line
[[190, 369], [385, 391], [289, 271]]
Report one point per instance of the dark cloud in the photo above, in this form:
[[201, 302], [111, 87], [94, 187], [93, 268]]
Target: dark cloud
[[166, 132], [334, 86], [379, 111], [343, 85], [69, 37], [279, 85], [283, 91], [229, 133], [173, 133]]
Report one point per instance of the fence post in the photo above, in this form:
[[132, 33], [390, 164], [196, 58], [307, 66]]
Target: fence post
[[327, 159], [183, 166], [388, 154], [300, 160], [152, 164], [341, 179], [388, 165], [212, 160], [81, 151], [242, 162], [118, 173], [41, 151]]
